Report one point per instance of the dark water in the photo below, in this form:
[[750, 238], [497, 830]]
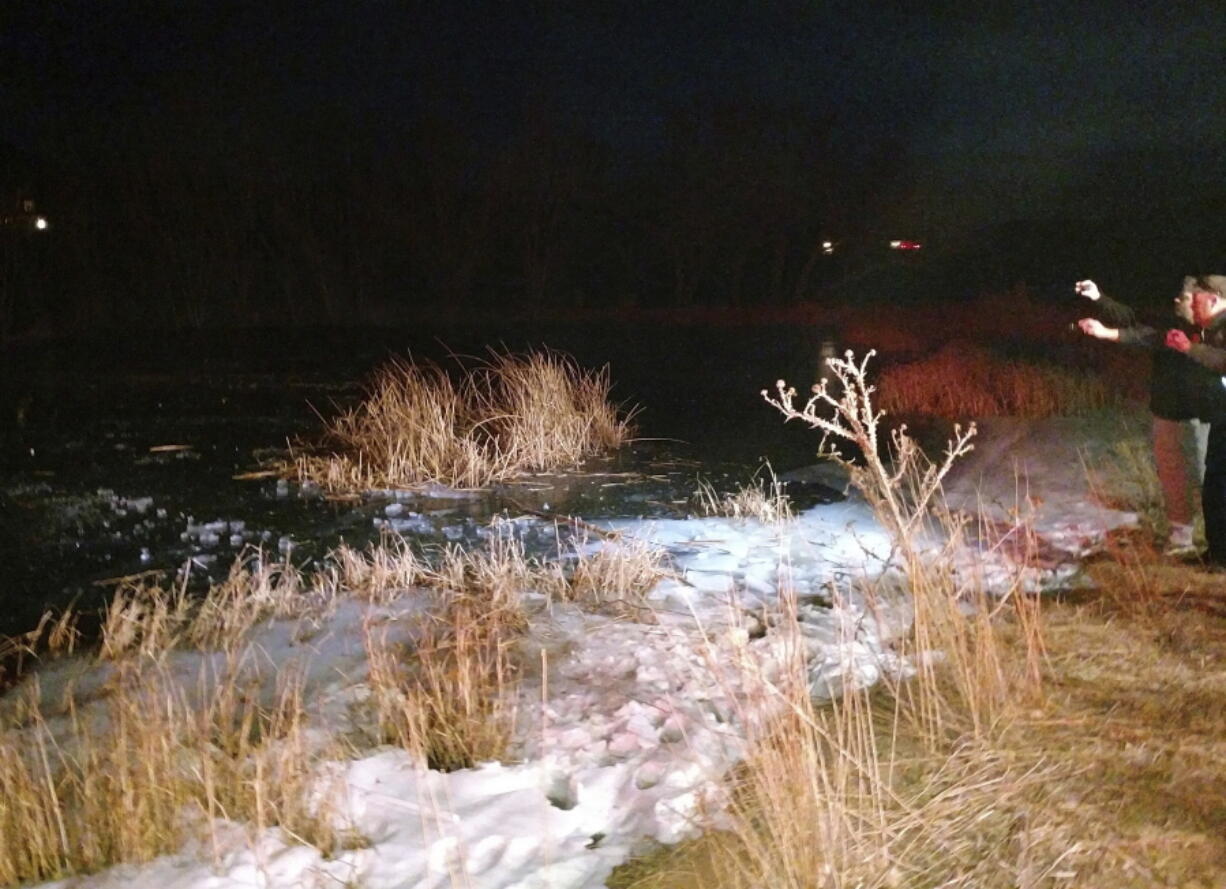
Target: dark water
[[121, 457]]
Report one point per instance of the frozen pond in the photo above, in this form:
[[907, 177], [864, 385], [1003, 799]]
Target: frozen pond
[[629, 728], [118, 460]]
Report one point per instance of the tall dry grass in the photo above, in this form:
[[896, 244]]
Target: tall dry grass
[[910, 784], [762, 500], [511, 414], [966, 380], [842, 795], [450, 697], [952, 642], [153, 764]]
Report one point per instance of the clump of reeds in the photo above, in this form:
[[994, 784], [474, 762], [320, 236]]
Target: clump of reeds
[[966, 380], [511, 414], [765, 501], [152, 764], [615, 577], [448, 696]]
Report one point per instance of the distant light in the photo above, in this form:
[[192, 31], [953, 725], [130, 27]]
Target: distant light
[[905, 245], [828, 247], [895, 245], [40, 223]]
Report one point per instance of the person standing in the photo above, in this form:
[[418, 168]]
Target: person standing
[[1209, 313], [1184, 399]]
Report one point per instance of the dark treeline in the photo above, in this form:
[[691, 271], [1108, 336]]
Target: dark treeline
[[175, 227], [185, 223]]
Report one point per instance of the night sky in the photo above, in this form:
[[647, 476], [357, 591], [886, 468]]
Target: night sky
[[1003, 114], [936, 122]]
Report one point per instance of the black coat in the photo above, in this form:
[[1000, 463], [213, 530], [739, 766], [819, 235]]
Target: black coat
[[1210, 351], [1180, 388]]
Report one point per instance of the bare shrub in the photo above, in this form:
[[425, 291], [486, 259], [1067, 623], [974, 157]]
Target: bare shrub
[[953, 620]]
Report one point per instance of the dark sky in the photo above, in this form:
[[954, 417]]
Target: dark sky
[[1060, 107]]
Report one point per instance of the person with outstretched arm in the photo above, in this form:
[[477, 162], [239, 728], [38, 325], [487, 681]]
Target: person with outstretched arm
[[1184, 399], [1209, 350]]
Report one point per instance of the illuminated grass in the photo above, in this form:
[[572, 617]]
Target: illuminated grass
[[766, 502], [963, 380], [1090, 756], [509, 415], [137, 754]]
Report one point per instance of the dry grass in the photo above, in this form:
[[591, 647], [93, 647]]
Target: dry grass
[[765, 501], [150, 758], [151, 765], [148, 620], [965, 380], [615, 577], [448, 698], [1136, 718], [907, 787], [1092, 757], [447, 690], [509, 415], [380, 574]]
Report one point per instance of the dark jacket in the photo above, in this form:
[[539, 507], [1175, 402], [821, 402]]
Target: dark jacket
[[1210, 352], [1180, 388]]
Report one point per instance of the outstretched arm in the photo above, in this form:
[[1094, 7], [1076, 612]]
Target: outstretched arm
[[1095, 328], [1115, 314], [1140, 335]]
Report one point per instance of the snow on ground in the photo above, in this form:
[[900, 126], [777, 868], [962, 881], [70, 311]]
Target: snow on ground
[[629, 731]]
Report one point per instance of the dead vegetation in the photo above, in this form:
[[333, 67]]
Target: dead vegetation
[[965, 380], [486, 422], [1079, 745]]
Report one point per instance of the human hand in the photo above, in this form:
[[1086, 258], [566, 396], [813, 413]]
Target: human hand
[[1088, 289], [1094, 328], [1178, 340]]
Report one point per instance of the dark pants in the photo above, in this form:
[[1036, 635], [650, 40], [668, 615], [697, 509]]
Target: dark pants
[[1213, 493]]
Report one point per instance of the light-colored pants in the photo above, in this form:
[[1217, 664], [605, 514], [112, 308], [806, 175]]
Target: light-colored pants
[[1179, 456]]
